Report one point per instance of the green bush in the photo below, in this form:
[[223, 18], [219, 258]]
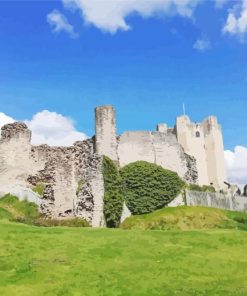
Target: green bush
[[70, 222], [148, 187], [8, 199], [22, 208], [39, 188], [207, 188], [204, 188], [79, 186], [113, 198]]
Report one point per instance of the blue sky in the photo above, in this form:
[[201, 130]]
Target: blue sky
[[73, 55]]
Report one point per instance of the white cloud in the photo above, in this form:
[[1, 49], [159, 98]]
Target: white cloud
[[236, 164], [110, 15], [202, 44], [236, 23], [49, 128], [4, 119], [60, 23]]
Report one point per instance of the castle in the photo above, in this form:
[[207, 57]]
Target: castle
[[72, 176], [185, 147]]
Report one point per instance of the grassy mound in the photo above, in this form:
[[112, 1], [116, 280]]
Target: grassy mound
[[12, 209], [187, 218]]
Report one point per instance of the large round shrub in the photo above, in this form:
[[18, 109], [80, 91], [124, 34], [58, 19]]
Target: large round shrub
[[113, 198], [148, 187]]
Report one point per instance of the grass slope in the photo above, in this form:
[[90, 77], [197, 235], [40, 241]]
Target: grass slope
[[83, 261], [12, 209], [18, 210], [187, 218]]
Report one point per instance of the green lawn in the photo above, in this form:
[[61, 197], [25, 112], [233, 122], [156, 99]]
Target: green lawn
[[189, 251], [82, 261]]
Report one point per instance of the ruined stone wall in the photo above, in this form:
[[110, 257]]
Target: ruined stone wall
[[15, 150], [217, 200], [73, 178], [71, 175], [161, 148]]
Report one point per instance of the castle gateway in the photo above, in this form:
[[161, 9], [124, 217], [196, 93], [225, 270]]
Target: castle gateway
[[72, 176]]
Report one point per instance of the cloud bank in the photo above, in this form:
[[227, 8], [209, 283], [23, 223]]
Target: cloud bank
[[49, 128], [110, 15]]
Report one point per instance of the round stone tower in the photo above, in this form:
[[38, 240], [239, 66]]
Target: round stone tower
[[105, 131]]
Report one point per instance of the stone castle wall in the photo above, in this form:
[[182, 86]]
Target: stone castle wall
[[160, 148], [194, 150], [71, 175], [217, 200]]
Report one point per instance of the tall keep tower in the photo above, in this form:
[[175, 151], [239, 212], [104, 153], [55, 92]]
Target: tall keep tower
[[214, 151], [105, 131], [191, 137], [204, 141]]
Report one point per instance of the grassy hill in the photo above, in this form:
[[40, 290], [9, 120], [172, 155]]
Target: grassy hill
[[187, 218]]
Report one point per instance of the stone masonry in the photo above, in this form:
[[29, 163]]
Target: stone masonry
[[72, 176], [194, 150]]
